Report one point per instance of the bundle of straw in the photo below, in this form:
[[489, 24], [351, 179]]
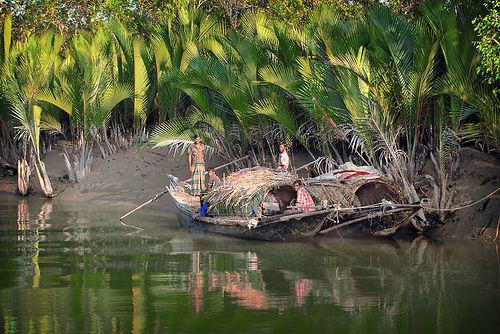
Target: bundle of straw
[[242, 192]]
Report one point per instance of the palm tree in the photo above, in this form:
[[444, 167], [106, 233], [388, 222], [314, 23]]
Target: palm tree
[[29, 70], [8, 151], [86, 91], [228, 104], [174, 45], [130, 69]]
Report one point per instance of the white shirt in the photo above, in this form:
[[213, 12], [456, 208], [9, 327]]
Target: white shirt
[[283, 161]]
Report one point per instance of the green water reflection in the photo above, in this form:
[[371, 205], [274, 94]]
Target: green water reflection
[[75, 269]]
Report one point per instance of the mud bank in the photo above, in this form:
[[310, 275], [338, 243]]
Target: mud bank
[[129, 178]]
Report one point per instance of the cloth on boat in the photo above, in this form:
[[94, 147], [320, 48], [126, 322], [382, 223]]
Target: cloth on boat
[[198, 179], [203, 209], [304, 200], [350, 172]]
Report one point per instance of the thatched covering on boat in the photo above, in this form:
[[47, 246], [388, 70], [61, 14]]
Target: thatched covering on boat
[[241, 193], [334, 193], [356, 193]]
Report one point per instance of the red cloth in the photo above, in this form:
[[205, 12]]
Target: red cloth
[[304, 200], [354, 173]]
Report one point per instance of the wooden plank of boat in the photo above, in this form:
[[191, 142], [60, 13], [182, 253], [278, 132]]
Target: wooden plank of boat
[[221, 220]]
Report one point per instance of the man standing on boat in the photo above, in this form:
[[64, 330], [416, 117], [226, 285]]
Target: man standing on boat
[[196, 163], [304, 200], [283, 160]]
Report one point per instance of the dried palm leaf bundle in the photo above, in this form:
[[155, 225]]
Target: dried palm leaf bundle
[[241, 193]]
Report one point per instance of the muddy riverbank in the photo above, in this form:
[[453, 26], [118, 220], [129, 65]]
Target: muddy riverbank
[[129, 178]]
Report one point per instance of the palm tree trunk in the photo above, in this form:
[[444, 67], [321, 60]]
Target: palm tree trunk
[[105, 147], [23, 177], [43, 177], [78, 164]]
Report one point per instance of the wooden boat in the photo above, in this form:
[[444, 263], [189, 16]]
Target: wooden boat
[[237, 208], [285, 227], [292, 226]]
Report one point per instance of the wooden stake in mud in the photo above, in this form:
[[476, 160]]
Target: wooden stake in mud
[[155, 198]]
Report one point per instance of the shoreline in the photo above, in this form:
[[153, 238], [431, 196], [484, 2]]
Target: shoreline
[[130, 178]]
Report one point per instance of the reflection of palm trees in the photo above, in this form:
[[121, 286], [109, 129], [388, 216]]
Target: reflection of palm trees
[[24, 224], [27, 232], [137, 306], [140, 289], [79, 231], [23, 219], [44, 215], [34, 260]]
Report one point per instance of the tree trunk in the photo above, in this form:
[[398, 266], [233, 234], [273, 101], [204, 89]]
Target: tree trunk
[[105, 147], [440, 192], [43, 178], [78, 163], [120, 138], [23, 177]]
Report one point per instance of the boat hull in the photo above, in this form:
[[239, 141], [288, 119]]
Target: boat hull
[[299, 229]]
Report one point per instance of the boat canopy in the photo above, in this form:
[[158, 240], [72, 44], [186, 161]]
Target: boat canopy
[[241, 193]]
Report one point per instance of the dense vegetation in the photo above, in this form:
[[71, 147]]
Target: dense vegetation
[[387, 86]]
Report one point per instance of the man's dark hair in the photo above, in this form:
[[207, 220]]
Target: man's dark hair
[[211, 169], [298, 182], [196, 136]]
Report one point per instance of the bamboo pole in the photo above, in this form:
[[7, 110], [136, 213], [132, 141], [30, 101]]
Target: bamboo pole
[[155, 198]]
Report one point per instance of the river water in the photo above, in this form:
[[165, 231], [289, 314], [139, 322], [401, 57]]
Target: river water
[[76, 269]]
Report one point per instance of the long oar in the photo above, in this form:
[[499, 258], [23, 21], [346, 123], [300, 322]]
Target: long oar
[[155, 198], [222, 166]]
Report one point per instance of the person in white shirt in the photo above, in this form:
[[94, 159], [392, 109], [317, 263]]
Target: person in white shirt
[[283, 160]]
